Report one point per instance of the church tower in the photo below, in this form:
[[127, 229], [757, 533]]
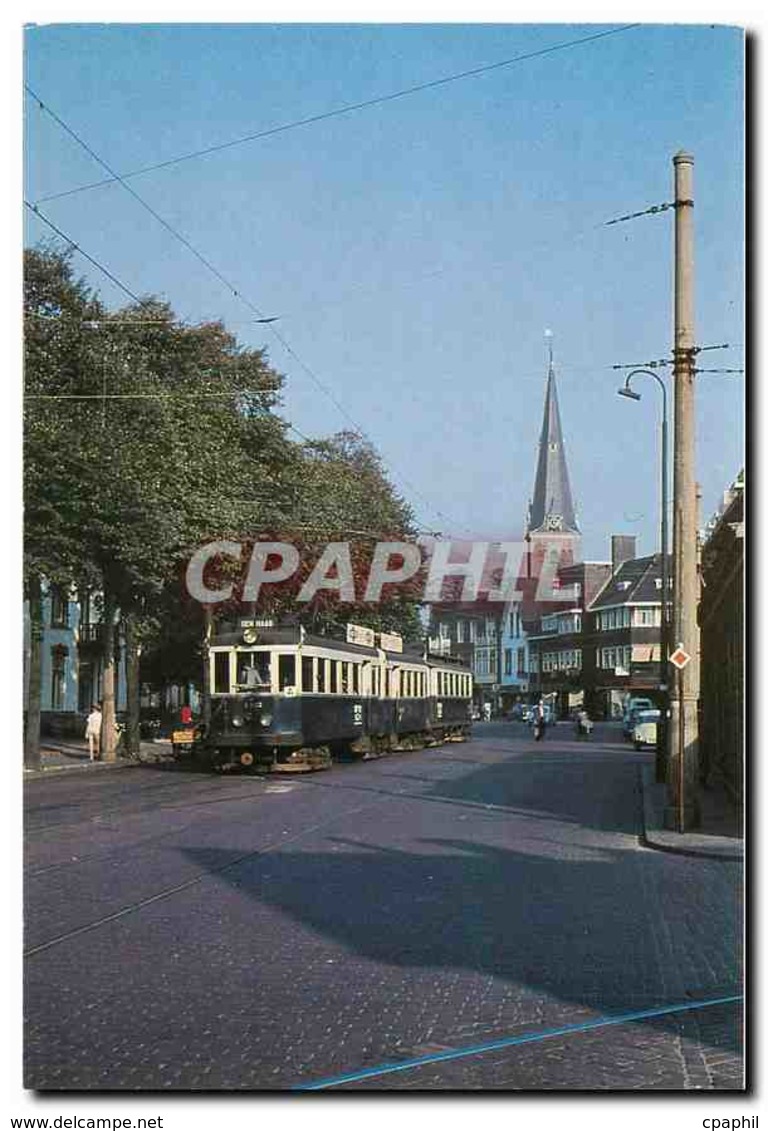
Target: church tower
[[552, 530]]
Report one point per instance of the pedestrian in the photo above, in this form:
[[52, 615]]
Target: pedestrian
[[487, 712], [93, 733], [583, 724], [185, 714], [539, 722]]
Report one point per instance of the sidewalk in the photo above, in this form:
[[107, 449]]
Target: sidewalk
[[58, 755], [720, 836]]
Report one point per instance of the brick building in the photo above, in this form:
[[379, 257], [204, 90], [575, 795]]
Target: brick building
[[721, 617]]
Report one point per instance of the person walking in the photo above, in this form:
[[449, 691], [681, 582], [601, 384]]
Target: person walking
[[539, 722], [93, 733]]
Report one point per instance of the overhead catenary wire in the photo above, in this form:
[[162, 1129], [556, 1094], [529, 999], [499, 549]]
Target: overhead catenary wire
[[218, 274], [100, 266], [144, 204], [348, 108]]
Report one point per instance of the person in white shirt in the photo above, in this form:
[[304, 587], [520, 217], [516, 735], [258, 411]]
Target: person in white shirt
[[93, 732]]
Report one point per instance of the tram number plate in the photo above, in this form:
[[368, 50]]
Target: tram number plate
[[357, 714], [182, 737]]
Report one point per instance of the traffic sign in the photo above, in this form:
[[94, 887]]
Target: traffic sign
[[680, 657]]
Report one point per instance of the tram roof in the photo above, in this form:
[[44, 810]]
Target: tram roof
[[291, 635]]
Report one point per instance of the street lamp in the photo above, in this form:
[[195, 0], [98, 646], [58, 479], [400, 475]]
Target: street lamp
[[628, 391]]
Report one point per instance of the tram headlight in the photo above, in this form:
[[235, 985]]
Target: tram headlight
[[236, 720], [265, 719]]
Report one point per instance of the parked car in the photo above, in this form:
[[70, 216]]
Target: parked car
[[645, 729], [631, 711]]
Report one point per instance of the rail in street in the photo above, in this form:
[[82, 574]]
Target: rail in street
[[483, 915]]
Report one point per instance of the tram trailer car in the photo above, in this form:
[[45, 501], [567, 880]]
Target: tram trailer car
[[284, 700]]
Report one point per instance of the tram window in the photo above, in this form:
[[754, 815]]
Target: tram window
[[321, 680], [252, 670], [286, 672], [344, 678], [307, 678], [355, 679], [221, 673], [334, 688]]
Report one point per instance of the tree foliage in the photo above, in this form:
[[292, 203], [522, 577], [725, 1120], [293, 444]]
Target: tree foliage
[[146, 438]]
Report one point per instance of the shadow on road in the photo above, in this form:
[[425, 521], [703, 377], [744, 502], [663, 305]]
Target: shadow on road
[[583, 930]]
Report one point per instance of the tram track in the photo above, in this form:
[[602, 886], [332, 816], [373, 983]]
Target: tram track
[[175, 889], [313, 781], [137, 805]]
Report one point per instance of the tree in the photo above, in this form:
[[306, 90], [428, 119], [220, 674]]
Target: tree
[[340, 493], [152, 445], [55, 305], [145, 439]]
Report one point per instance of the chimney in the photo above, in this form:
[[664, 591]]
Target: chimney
[[622, 550]]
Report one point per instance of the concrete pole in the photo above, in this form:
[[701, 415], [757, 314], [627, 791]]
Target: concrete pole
[[683, 806]]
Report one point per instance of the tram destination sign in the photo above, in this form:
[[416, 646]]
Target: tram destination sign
[[390, 642], [358, 634]]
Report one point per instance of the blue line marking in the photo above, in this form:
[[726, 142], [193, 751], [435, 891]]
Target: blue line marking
[[508, 1042]]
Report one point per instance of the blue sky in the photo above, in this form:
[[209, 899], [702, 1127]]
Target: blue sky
[[417, 250]]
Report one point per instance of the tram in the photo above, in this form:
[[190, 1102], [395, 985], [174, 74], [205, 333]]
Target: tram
[[283, 700]]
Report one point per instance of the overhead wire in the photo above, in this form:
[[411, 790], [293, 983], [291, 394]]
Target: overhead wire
[[122, 178], [100, 266], [349, 108], [209, 266]]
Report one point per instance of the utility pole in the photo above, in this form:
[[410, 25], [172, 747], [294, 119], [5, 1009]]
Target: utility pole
[[683, 808]]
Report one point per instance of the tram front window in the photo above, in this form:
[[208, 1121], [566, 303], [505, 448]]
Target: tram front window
[[252, 670]]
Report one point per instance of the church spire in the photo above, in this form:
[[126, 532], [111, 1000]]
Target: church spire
[[552, 505]]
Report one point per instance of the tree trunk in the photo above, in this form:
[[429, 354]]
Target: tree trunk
[[35, 689], [206, 684], [206, 671], [133, 691], [108, 735]]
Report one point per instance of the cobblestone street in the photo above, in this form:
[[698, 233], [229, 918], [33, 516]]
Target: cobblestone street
[[186, 931]]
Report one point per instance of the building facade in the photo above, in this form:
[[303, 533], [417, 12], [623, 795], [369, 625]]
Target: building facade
[[606, 646], [71, 660], [721, 617]]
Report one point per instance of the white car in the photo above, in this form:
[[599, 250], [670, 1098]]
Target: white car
[[645, 729]]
